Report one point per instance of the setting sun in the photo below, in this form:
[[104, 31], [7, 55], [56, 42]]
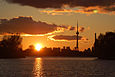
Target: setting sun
[[38, 47]]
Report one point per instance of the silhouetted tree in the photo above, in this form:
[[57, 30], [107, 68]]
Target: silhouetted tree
[[11, 46], [105, 45], [30, 51]]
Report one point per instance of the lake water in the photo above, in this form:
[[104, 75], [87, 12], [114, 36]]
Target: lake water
[[57, 67]]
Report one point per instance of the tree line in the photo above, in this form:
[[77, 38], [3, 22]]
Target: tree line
[[10, 46]]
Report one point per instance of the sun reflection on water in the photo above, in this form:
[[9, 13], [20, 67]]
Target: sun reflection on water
[[37, 70]]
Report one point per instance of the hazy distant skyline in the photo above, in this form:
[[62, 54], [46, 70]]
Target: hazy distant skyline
[[58, 19]]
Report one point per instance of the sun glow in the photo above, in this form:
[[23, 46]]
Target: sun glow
[[38, 47]]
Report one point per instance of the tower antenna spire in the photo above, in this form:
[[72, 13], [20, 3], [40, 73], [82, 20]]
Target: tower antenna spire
[[77, 25]]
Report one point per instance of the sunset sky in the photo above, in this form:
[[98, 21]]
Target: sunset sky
[[52, 23]]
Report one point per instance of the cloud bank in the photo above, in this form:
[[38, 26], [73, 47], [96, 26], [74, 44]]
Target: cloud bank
[[26, 25], [62, 3], [83, 6]]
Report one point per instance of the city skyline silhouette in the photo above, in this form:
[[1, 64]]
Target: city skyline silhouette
[[57, 38]]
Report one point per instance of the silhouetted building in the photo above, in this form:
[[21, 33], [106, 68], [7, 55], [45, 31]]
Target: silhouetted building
[[46, 49], [94, 46], [56, 49], [68, 49], [63, 47]]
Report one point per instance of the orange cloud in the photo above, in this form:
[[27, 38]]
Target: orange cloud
[[82, 10]]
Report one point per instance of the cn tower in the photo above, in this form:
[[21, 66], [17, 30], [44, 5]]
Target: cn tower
[[77, 38]]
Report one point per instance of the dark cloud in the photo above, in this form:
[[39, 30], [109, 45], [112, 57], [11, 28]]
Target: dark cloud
[[84, 6], [61, 3], [71, 28], [25, 25], [67, 37], [81, 29]]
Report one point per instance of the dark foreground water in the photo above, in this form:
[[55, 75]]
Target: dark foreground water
[[57, 67]]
